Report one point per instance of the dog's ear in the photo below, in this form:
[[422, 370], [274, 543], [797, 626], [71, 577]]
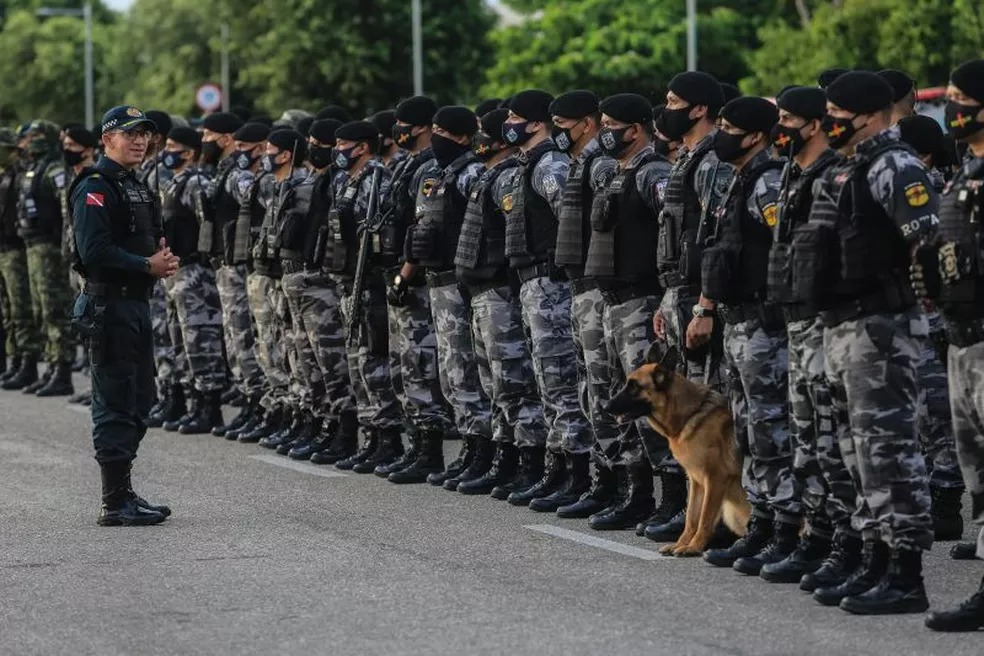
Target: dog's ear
[[656, 353], [662, 376], [670, 358]]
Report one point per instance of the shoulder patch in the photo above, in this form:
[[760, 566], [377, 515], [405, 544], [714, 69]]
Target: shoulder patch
[[507, 202], [59, 179], [916, 194], [550, 184], [427, 187], [771, 214]]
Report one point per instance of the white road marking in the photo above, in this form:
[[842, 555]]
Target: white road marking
[[81, 409], [600, 543], [303, 467]]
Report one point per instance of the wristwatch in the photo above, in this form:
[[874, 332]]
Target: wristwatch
[[700, 311], [398, 281], [147, 264]]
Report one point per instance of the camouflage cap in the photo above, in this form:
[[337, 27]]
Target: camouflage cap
[[49, 130]]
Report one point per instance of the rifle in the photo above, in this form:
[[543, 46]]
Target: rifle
[[356, 325]]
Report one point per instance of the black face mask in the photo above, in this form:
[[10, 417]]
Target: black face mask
[[515, 134], [244, 159], [961, 120], [563, 138], [838, 130], [674, 123], [72, 158], [269, 163], [728, 146], [447, 150], [211, 152], [403, 137], [612, 140], [484, 147], [786, 140], [343, 157], [320, 156]]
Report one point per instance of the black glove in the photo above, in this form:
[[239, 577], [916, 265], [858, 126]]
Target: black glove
[[396, 293]]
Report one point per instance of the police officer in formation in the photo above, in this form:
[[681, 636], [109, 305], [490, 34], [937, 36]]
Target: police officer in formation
[[494, 276]]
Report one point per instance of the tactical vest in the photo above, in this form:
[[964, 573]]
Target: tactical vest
[[680, 218], [181, 225], [266, 250], [434, 237], [321, 201], [399, 216], [961, 245], [342, 250], [248, 222], [574, 222], [531, 227], [794, 210], [135, 224], [294, 222], [9, 239], [850, 248], [481, 252], [39, 209], [219, 218], [625, 250]]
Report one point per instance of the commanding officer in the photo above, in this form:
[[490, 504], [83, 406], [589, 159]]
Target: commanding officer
[[120, 251], [42, 189], [870, 210]]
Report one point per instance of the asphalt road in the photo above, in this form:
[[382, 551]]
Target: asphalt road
[[263, 559]]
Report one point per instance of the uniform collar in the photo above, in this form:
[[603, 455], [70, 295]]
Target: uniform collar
[[111, 168], [873, 143]]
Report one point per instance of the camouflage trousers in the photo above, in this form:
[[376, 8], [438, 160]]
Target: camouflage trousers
[[677, 310], [368, 360], [506, 368], [871, 367], [168, 369], [822, 479], [594, 372], [757, 363], [50, 293], [319, 335], [933, 422], [546, 306], [414, 363], [966, 368], [267, 304], [194, 298], [23, 335], [237, 325], [628, 327], [458, 369]]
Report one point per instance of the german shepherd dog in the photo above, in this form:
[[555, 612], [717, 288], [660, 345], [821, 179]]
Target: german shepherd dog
[[698, 424]]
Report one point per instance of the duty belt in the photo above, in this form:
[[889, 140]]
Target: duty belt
[[292, 266], [582, 285], [617, 295], [963, 334], [442, 278], [799, 312], [769, 315], [124, 292], [671, 279], [865, 306], [543, 270]]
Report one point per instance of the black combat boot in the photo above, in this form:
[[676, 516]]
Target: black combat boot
[[273, 420], [481, 463], [758, 536], [232, 396], [307, 429], [968, 616], [844, 558], [408, 458], [874, 563], [140, 501], [295, 433], [505, 462], [169, 407], [81, 398], [577, 482], [430, 460], [899, 591], [602, 494], [666, 524], [118, 507], [807, 558], [554, 475], [388, 449], [193, 399], [785, 537], [945, 508], [322, 432], [40, 382], [343, 444], [635, 506], [281, 434], [208, 416], [245, 415], [26, 374], [465, 456], [60, 383], [369, 446], [964, 551], [530, 471], [12, 368]]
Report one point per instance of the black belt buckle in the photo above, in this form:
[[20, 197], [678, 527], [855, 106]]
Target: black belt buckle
[[964, 334]]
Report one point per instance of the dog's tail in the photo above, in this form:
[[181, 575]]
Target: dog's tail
[[735, 513]]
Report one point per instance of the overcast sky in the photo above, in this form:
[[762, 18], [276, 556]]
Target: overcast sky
[[118, 4]]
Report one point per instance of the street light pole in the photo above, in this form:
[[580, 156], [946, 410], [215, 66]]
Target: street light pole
[[86, 14], [226, 87], [418, 50], [691, 35]]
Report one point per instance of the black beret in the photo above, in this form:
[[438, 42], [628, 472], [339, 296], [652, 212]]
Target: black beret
[[575, 104], [186, 137], [532, 104], [923, 133], [487, 106], [242, 112], [627, 108], [698, 88], [969, 78], [751, 114], [82, 137], [829, 75], [335, 112], [261, 118], [384, 122], [492, 122], [417, 111], [161, 119], [901, 83], [287, 139], [861, 92], [809, 103], [252, 132], [730, 91], [358, 131], [324, 130], [456, 119], [304, 125], [222, 122]]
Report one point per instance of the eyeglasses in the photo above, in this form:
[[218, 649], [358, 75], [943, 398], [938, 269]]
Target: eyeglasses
[[134, 135]]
